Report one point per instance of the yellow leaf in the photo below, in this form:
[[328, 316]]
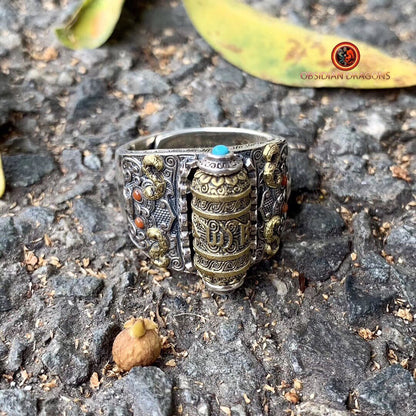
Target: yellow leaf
[[275, 50], [2, 180], [91, 25]]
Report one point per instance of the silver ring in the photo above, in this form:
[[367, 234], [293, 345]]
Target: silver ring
[[208, 201]]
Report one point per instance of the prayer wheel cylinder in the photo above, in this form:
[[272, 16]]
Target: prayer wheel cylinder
[[221, 220]]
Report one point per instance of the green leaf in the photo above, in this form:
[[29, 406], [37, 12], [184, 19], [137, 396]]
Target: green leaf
[[91, 25], [278, 51]]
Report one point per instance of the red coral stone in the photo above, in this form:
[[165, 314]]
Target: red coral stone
[[139, 223], [284, 180], [137, 195], [285, 208]]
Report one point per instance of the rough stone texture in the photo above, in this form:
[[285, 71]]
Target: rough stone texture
[[329, 357], [8, 235], [391, 392], [82, 287], [319, 221], [317, 259], [25, 170], [150, 390], [369, 31], [362, 303], [217, 362], [15, 357], [90, 214], [142, 82], [62, 360], [16, 402], [70, 277], [88, 96], [303, 173], [34, 222], [401, 243]]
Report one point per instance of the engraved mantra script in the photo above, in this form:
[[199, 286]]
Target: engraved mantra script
[[219, 234]]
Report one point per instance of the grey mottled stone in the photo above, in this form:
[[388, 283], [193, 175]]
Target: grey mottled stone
[[34, 222], [185, 120], [63, 360], [363, 240], [16, 402], [71, 160], [151, 391], [218, 362], [390, 392], [299, 133], [85, 286], [341, 7], [26, 169], [102, 341], [401, 243], [89, 95], [303, 172], [90, 214], [399, 340], [15, 357], [55, 406], [323, 351], [229, 76], [317, 259], [79, 188], [142, 82], [92, 161], [316, 220], [8, 235], [214, 111], [320, 409], [360, 28], [362, 304]]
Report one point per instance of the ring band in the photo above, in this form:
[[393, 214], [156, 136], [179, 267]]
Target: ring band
[[210, 201]]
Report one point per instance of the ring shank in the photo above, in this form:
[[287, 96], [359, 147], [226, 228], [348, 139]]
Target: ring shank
[[155, 174], [198, 139]]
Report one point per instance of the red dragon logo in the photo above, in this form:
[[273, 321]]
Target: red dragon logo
[[345, 56]]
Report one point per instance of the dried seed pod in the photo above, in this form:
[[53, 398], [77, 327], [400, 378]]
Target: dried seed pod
[[137, 345]]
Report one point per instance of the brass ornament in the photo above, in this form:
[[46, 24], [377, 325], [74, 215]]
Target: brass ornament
[[158, 250], [272, 236], [221, 226], [192, 210], [271, 155], [155, 191]]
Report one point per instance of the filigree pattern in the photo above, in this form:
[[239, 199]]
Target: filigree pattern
[[152, 177], [156, 190], [207, 184], [274, 187]]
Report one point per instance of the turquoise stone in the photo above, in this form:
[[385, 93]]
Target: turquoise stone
[[220, 150]]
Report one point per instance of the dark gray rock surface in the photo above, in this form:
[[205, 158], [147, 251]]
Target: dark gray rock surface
[[150, 390], [328, 321], [64, 361], [26, 169], [8, 235], [391, 392], [15, 357], [90, 215], [16, 402], [82, 287], [318, 221], [142, 82], [322, 351]]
